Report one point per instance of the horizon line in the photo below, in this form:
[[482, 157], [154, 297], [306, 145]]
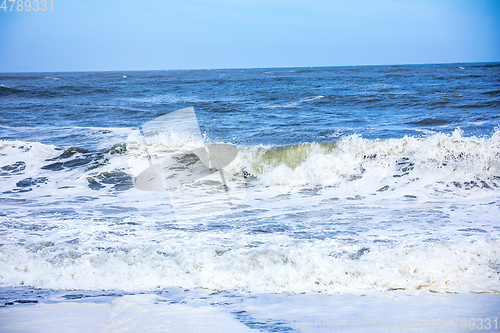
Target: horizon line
[[248, 68]]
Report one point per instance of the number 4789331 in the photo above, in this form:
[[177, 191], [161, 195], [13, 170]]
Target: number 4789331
[[27, 5]]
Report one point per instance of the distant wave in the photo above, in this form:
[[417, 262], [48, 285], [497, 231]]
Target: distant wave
[[431, 122], [492, 92], [6, 91], [292, 104]]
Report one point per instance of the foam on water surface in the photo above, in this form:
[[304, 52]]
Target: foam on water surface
[[296, 267], [388, 216]]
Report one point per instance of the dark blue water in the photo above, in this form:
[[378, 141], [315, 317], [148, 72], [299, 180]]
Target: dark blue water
[[259, 106]]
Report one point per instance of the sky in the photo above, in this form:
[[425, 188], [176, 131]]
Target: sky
[[109, 35]]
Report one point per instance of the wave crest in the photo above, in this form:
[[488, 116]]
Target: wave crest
[[352, 157]]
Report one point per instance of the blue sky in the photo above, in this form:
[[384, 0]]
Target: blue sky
[[190, 34]]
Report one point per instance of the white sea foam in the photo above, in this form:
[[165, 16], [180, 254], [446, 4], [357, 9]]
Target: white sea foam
[[313, 267], [436, 158], [445, 156], [411, 214]]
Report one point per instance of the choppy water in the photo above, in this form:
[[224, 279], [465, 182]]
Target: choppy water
[[347, 180]]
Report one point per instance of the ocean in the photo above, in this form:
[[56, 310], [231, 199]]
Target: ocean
[[275, 200]]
